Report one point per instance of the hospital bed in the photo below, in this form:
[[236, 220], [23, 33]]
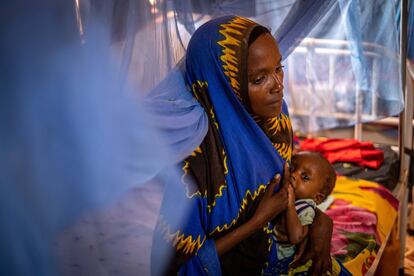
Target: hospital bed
[[312, 102]]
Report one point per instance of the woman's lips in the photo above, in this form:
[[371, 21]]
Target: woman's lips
[[276, 102]]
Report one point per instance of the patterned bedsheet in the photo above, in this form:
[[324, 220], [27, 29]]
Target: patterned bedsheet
[[363, 213]]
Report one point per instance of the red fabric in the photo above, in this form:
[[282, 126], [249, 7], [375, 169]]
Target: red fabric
[[346, 150]]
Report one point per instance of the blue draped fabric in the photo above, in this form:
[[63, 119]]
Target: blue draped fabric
[[301, 19], [178, 116], [252, 160], [347, 69]]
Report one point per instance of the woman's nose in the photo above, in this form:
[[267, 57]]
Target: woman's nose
[[277, 85]]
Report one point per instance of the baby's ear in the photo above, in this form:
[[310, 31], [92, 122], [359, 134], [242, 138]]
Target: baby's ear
[[319, 197]]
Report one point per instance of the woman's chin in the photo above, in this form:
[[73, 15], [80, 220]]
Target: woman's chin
[[274, 112], [269, 112]]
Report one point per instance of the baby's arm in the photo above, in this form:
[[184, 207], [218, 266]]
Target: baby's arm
[[295, 230]]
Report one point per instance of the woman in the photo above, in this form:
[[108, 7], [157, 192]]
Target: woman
[[233, 67]]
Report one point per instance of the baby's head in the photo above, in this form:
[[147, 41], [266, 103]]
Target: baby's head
[[312, 176]]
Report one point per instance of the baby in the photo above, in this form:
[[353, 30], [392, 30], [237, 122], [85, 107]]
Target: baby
[[311, 179]]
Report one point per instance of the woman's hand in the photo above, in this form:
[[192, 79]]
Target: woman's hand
[[318, 246], [272, 203], [269, 207], [291, 196]]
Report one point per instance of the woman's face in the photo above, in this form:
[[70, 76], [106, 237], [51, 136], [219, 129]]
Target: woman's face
[[265, 77]]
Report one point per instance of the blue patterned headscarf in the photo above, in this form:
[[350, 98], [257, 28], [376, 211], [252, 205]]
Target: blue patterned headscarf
[[216, 65], [225, 176]]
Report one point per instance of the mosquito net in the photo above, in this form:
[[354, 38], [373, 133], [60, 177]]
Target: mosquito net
[[88, 143]]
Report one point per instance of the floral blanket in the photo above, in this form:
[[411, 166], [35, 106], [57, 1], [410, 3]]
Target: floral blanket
[[363, 213]]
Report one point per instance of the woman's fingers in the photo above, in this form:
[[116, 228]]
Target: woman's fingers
[[315, 269], [301, 260], [320, 267], [291, 195], [326, 266], [300, 250], [276, 180], [272, 185], [286, 174]]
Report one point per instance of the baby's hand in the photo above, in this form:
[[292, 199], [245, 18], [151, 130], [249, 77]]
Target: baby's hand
[[291, 195]]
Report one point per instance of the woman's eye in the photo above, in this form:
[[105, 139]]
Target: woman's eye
[[279, 69], [259, 80], [305, 177]]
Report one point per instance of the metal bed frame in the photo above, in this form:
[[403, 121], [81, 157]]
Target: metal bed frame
[[332, 49]]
